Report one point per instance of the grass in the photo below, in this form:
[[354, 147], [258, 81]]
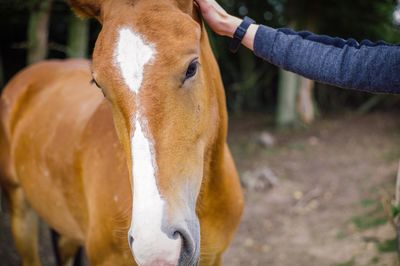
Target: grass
[[375, 260], [366, 222], [387, 246], [341, 235], [394, 153], [300, 146], [373, 217], [368, 202], [351, 262]]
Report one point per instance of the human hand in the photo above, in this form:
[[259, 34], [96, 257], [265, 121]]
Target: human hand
[[217, 18]]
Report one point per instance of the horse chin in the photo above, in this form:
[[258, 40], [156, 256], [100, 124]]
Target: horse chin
[[154, 256], [176, 244]]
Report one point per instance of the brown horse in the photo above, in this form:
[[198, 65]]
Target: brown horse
[[147, 162]]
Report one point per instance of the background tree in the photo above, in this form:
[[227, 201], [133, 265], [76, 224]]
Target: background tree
[[299, 93], [38, 30], [252, 85], [78, 37]]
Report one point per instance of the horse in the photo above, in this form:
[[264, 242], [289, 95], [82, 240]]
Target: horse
[[126, 155]]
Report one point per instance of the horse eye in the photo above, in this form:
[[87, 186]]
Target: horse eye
[[192, 69]]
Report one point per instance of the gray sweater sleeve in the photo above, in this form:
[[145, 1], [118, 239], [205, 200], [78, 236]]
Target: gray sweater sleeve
[[366, 66]]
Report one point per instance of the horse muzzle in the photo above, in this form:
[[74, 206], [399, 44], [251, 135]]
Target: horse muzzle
[[171, 246]]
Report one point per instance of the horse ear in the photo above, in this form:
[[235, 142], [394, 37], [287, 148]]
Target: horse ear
[[192, 8], [86, 8], [196, 14]]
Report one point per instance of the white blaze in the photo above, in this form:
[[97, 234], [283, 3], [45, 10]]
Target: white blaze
[[132, 55], [150, 243]]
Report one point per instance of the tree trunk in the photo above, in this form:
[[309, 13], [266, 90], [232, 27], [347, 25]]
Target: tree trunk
[[38, 30], [286, 115], [287, 92], [78, 37], [305, 100]]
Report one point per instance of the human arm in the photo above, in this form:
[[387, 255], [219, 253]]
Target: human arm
[[366, 66]]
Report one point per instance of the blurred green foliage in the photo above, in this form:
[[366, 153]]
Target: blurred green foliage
[[251, 84]]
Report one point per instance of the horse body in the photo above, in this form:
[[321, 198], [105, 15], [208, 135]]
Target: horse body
[[67, 151], [43, 124]]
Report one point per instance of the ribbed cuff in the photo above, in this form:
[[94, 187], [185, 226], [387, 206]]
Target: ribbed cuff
[[263, 42]]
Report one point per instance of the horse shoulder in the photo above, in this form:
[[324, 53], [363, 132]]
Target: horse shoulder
[[44, 111]]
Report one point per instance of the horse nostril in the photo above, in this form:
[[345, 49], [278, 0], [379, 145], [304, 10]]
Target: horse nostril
[[176, 235], [130, 240], [188, 248]]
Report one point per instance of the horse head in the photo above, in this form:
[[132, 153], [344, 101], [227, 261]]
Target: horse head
[[153, 62]]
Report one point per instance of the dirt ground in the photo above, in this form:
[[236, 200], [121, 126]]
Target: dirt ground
[[325, 208], [313, 198]]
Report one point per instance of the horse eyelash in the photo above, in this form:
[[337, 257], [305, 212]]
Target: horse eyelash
[[93, 81]]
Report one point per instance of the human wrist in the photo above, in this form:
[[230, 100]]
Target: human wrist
[[230, 26], [249, 38]]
